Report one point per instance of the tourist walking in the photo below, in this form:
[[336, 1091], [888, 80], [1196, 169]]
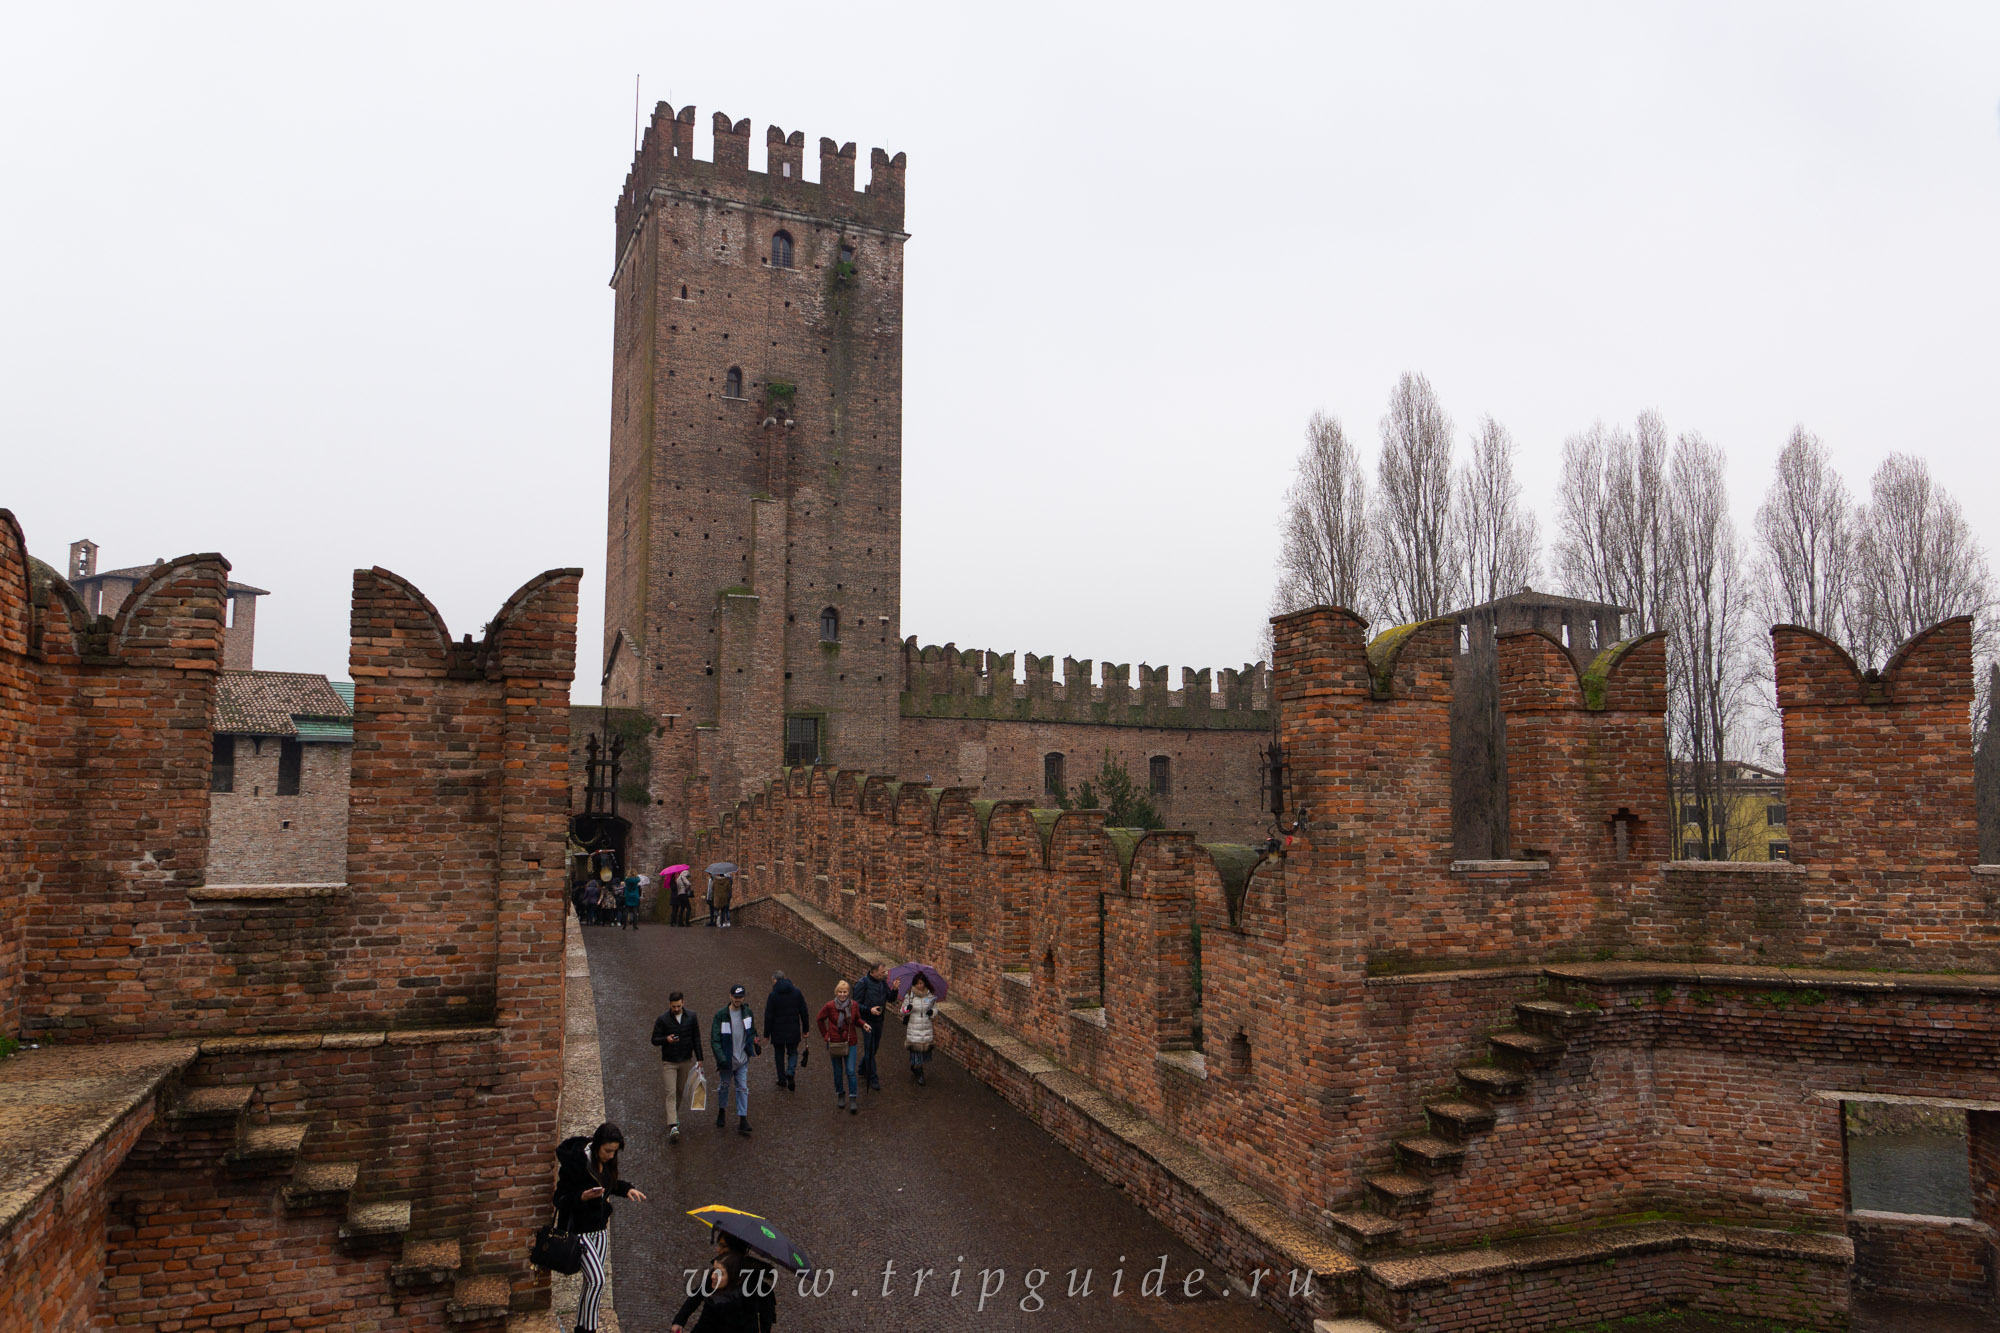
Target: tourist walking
[[785, 1020], [733, 1039], [683, 900], [586, 1180], [872, 995], [708, 896], [678, 1035], [725, 891], [841, 1028], [917, 1031], [720, 1304], [628, 904]]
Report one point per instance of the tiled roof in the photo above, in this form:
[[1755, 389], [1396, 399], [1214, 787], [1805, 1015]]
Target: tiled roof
[[137, 572], [1536, 597], [265, 703]]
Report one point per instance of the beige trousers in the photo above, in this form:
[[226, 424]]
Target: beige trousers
[[678, 1079]]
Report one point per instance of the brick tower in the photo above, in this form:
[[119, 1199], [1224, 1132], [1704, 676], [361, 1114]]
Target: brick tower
[[752, 572]]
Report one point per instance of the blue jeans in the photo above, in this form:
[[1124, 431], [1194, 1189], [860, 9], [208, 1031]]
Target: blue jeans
[[845, 1081], [787, 1059], [739, 1078]]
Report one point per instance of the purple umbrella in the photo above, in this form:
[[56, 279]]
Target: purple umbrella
[[902, 974]]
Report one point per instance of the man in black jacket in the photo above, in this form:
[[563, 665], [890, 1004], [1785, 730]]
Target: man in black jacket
[[785, 1021], [871, 1000], [678, 1035]]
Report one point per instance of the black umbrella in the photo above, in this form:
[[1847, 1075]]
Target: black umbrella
[[756, 1232], [723, 868]]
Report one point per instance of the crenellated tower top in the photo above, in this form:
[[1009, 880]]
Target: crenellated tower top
[[666, 161]]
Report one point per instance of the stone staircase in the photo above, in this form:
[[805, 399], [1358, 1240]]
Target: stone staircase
[[221, 1121], [1397, 1199]]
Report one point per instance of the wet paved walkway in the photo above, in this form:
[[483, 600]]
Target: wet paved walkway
[[946, 1177]]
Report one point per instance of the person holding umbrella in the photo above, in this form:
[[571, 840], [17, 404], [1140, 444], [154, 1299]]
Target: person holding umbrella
[[756, 1247], [680, 895], [721, 890], [720, 1305]]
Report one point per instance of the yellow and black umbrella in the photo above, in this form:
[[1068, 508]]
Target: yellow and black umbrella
[[756, 1232]]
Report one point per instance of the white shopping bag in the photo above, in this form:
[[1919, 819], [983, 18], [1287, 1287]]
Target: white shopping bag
[[698, 1091]]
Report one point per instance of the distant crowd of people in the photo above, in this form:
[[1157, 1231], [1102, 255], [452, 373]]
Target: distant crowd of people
[[850, 1026]]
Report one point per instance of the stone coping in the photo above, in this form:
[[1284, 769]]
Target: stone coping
[[58, 1103], [330, 1041], [1903, 1099], [1456, 974], [1924, 1221], [1496, 867], [1606, 1243], [1736, 867], [1183, 1163], [1777, 978], [252, 892]]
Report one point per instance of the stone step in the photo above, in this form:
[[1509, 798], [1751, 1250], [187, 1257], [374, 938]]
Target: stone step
[[261, 1148], [1429, 1153], [375, 1226], [224, 1102], [320, 1186], [1525, 1049], [1553, 1018], [1365, 1232], [1457, 1121], [477, 1299], [1398, 1194], [1492, 1081], [426, 1263]]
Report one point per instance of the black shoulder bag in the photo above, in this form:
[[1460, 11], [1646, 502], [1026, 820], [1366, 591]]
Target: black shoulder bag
[[556, 1250]]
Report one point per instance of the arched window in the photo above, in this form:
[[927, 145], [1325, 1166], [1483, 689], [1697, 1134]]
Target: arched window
[[781, 249], [1160, 771], [829, 626], [1052, 775], [732, 383]]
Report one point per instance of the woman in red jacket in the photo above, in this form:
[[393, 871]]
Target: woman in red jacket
[[840, 1026]]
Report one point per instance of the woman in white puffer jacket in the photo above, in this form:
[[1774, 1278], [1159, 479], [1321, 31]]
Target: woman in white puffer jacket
[[917, 1034]]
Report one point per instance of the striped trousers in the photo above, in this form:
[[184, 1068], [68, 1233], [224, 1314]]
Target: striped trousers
[[593, 1278]]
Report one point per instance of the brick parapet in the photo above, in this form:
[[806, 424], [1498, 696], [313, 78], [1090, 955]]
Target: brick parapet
[[947, 682]]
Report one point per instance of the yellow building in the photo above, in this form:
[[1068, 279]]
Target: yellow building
[[1749, 816]]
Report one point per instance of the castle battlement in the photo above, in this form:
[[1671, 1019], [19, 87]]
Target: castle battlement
[[666, 160], [973, 683]]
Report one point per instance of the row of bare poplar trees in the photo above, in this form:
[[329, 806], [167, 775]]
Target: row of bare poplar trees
[[1642, 521]]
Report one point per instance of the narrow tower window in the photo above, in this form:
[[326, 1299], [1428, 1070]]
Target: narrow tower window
[[1160, 774], [829, 626], [732, 383], [1052, 775], [781, 249]]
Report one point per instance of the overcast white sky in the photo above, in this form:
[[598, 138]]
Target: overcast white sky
[[322, 287]]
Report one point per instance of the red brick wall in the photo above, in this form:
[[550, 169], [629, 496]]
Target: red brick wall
[[452, 917], [259, 837], [1924, 1258], [1214, 783]]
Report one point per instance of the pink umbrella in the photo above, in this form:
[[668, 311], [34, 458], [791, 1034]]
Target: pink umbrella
[[672, 870]]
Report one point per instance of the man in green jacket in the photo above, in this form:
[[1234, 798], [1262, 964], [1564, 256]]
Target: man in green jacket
[[732, 1037]]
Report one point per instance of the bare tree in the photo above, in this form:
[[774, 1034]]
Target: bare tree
[[1916, 561], [1706, 612], [1496, 532], [1416, 542], [1806, 534], [1612, 518], [1324, 560]]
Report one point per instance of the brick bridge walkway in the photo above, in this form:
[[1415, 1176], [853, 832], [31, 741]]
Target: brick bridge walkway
[[921, 1176]]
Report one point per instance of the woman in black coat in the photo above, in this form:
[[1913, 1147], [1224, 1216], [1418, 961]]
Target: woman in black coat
[[586, 1180], [723, 1304]]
